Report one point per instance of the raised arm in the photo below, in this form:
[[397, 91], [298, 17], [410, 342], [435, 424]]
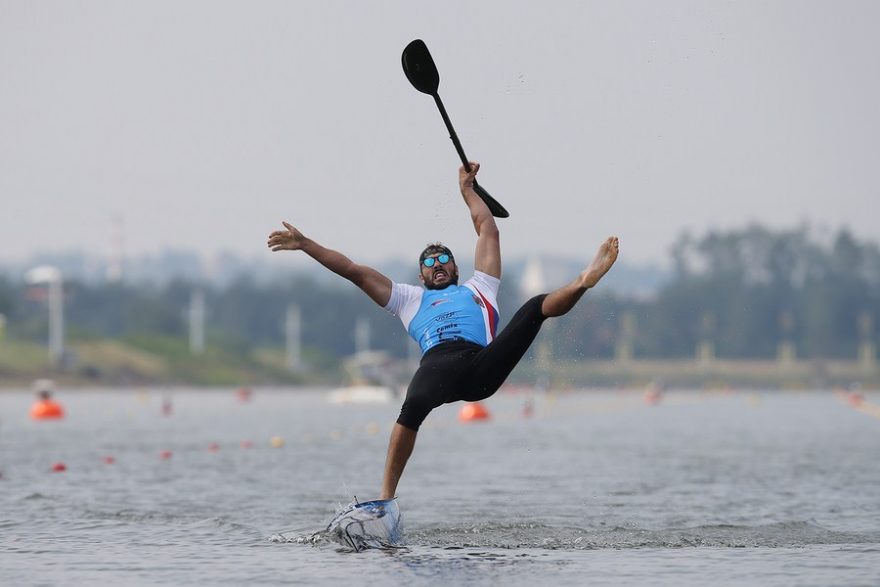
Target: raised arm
[[373, 283], [487, 257]]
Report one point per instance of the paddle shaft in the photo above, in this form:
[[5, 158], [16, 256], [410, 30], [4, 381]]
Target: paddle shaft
[[494, 206], [452, 135]]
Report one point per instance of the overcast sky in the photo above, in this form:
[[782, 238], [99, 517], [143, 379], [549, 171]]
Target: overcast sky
[[203, 124]]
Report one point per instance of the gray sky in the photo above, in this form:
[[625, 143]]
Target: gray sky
[[203, 124]]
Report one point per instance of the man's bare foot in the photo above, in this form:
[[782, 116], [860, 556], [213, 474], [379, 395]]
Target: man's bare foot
[[602, 262], [560, 301]]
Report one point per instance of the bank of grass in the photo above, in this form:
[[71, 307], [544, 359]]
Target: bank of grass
[[152, 359], [20, 359], [215, 366], [691, 374]]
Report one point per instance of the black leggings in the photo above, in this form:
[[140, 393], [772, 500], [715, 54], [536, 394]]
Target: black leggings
[[462, 370]]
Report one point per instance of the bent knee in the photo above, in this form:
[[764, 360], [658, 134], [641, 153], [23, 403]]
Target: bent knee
[[413, 412]]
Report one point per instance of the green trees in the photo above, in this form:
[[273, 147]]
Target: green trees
[[762, 288], [745, 291]]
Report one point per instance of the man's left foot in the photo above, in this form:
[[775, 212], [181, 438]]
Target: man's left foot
[[602, 262]]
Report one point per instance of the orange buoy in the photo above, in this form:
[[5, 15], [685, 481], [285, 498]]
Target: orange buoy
[[652, 397], [472, 412], [855, 399], [653, 394], [46, 409]]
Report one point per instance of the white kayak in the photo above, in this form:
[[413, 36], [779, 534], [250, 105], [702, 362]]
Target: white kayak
[[368, 524]]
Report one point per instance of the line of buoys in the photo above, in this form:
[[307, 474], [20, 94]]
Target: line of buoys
[[470, 412], [166, 455]]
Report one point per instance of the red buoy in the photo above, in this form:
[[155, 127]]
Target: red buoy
[[855, 399], [473, 411], [59, 467], [47, 409]]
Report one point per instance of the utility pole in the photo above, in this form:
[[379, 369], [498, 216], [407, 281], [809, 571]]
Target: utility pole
[[361, 335], [197, 322], [624, 350], [117, 249], [293, 337], [51, 276], [533, 283], [705, 346], [867, 350], [785, 353]]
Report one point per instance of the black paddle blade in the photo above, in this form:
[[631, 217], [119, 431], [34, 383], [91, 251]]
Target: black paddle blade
[[419, 67], [495, 207]]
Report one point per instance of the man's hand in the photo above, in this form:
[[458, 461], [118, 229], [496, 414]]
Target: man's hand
[[286, 240], [465, 178]]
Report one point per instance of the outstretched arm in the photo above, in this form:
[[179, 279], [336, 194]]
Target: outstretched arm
[[373, 283], [487, 257]]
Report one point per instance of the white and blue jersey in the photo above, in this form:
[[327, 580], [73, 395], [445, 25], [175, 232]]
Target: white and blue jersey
[[457, 312]]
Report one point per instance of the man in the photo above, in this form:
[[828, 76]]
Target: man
[[462, 359]]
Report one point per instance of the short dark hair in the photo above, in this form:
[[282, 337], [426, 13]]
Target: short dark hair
[[434, 248]]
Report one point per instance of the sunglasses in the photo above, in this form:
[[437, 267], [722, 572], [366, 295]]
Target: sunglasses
[[429, 261]]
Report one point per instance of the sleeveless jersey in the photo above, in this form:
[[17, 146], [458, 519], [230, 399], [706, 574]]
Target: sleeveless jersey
[[457, 312]]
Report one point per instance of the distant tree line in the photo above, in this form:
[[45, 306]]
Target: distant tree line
[[749, 290], [746, 291]]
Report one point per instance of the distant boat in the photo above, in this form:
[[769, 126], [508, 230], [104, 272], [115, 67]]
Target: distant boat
[[372, 374], [362, 394]]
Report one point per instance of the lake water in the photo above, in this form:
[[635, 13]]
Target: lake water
[[595, 488]]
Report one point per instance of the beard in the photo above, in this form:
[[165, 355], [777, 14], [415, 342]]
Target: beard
[[453, 280]]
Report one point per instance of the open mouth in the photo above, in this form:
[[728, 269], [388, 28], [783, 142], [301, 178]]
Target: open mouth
[[439, 274]]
